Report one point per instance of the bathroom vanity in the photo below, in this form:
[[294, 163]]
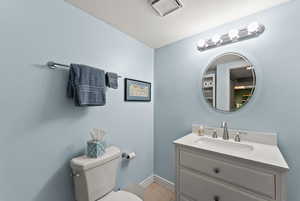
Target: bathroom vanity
[[213, 169]]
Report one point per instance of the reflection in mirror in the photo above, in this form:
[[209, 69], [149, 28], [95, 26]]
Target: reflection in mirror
[[229, 82]]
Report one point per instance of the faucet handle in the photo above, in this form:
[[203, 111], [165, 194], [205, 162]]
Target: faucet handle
[[215, 134], [237, 137], [224, 124]]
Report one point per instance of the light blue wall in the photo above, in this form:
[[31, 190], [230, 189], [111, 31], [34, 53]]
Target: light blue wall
[[41, 130], [275, 107]]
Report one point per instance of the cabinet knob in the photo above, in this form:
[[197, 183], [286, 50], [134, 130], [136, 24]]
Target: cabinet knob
[[216, 170], [216, 198]]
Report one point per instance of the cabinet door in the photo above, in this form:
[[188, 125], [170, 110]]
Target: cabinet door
[[202, 188]]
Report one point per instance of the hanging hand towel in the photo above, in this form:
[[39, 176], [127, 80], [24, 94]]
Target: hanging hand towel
[[112, 80], [86, 85]]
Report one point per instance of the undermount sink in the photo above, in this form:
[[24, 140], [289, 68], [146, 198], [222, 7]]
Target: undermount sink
[[224, 144]]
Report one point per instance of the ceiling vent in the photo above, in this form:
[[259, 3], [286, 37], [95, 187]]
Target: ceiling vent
[[165, 7]]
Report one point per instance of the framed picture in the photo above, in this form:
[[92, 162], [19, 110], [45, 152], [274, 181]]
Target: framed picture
[[136, 90]]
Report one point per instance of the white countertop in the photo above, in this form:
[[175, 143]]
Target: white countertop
[[261, 153]]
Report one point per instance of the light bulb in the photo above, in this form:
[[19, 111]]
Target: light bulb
[[216, 39], [253, 27], [201, 43], [233, 34]]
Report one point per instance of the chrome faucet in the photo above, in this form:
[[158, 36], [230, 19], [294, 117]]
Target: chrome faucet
[[225, 131]]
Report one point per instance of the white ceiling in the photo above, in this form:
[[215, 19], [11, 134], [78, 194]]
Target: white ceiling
[[137, 19]]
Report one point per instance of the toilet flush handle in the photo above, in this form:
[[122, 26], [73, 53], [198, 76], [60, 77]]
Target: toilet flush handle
[[75, 174]]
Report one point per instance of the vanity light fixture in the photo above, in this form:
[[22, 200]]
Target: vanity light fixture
[[202, 43], [233, 34], [254, 29], [216, 39]]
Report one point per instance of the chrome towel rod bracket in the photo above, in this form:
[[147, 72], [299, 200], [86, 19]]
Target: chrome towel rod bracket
[[54, 65]]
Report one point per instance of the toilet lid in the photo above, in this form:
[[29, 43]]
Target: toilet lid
[[120, 196]]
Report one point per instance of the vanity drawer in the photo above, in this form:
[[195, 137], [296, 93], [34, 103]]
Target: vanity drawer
[[259, 182], [201, 188]]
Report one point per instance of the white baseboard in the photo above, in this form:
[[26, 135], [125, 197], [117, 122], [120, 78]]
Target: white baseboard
[[164, 182], [146, 182], [159, 180]]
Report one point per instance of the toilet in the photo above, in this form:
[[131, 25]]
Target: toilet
[[95, 178]]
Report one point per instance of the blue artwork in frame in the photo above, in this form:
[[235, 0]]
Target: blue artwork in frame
[[136, 90]]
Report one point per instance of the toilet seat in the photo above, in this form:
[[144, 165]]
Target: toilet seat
[[120, 196]]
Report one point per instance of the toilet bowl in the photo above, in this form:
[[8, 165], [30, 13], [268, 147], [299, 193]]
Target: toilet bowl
[[95, 178], [120, 196]]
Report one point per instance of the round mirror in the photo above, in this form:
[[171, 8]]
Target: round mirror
[[229, 82]]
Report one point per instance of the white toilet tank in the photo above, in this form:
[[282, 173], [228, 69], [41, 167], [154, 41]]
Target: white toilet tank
[[95, 177]]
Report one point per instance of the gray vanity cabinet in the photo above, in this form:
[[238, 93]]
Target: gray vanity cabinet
[[207, 176]]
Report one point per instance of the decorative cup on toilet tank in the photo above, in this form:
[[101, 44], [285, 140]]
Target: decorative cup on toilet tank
[[96, 147]]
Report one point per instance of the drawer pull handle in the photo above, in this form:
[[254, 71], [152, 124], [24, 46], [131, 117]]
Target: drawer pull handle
[[216, 198], [216, 170]]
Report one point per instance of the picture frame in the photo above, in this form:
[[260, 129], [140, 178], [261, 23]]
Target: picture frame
[[137, 90]]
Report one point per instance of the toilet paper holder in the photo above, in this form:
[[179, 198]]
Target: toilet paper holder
[[128, 156]]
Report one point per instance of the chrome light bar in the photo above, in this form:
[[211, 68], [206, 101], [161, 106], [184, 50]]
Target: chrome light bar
[[252, 30]]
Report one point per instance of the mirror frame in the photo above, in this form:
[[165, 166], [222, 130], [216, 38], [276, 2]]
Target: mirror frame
[[253, 91]]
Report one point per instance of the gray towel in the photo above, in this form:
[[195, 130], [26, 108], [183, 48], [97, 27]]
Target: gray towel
[[112, 80], [86, 85]]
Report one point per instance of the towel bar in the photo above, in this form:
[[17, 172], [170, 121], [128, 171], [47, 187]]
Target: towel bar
[[54, 65]]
